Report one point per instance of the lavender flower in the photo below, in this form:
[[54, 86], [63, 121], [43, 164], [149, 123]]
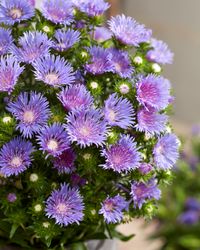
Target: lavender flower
[[192, 204], [122, 156], [145, 168], [112, 209], [58, 11], [15, 157], [121, 63], [150, 122], [101, 34], [128, 31], [32, 111], [10, 70], [54, 71], [100, 62], [53, 140], [6, 40], [65, 39], [77, 180], [159, 52], [91, 7], [64, 163], [32, 46], [142, 192], [119, 112], [153, 91], [11, 197], [86, 127], [75, 96], [65, 206], [15, 11], [189, 217], [166, 151]]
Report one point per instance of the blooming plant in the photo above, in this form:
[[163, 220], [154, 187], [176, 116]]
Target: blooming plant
[[84, 132]]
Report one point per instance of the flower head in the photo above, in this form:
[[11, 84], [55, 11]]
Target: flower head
[[145, 168], [192, 204], [122, 156], [75, 96], [112, 209], [102, 34], [189, 217], [53, 140], [11, 197], [128, 31], [166, 151], [153, 91], [58, 11], [32, 46], [15, 157], [6, 40], [15, 11], [65, 39], [10, 70], [86, 127], [54, 71], [160, 52], [77, 180], [65, 205], [32, 111], [142, 192], [64, 163], [118, 111]]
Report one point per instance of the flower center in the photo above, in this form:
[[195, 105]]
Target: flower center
[[117, 159], [16, 162], [52, 145], [124, 89], [109, 206], [15, 13], [111, 115], [61, 208], [85, 131], [159, 150], [28, 116], [51, 78], [118, 67]]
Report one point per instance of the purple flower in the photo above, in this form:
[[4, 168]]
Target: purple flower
[[32, 46], [65, 39], [145, 168], [15, 11], [119, 111], [189, 217], [32, 2], [65, 206], [77, 180], [54, 71], [121, 63], [112, 209], [11, 197], [75, 96], [192, 204], [15, 157], [6, 40], [86, 127], [166, 151], [128, 31], [53, 140], [64, 163], [153, 91], [10, 70], [58, 11], [100, 61], [160, 52], [91, 7], [142, 192], [150, 122], [101, 34], [32, 111], [122, 156]]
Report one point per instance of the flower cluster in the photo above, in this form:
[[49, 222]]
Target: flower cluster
[[84, 131]]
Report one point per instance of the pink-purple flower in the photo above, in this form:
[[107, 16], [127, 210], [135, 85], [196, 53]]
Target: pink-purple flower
[[101, 34], [6, 40]]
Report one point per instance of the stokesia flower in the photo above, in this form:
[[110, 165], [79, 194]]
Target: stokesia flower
[[53, 140], [32, 111], [145, 168], [15, 11], [128, 31], [32, 45], [58, 11], [15, 157], [6, 40], [112, 209], [86, 127], [119, 111], [122, 156], [153, 91], [65, 205], [65, 39], [10, 70], [99, 61], [151, 122], [64, 163], [54, 71], [166, 151], [142, 192], [189, 217], [101, 34], [159, 53]]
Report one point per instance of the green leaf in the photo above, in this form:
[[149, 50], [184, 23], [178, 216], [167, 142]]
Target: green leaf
[[189, 241], [121, 236], [13, 230], [78, 246]]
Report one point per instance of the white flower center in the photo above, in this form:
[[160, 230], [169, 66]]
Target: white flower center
[[94, 85], [117, 159], [51, 78], [124, 88], [61, 208], [15, 13], [28, 116], [52, 145], [33, 177], [16, 161], [159, 150], [118, 67], [85, 131], [111, 115]]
